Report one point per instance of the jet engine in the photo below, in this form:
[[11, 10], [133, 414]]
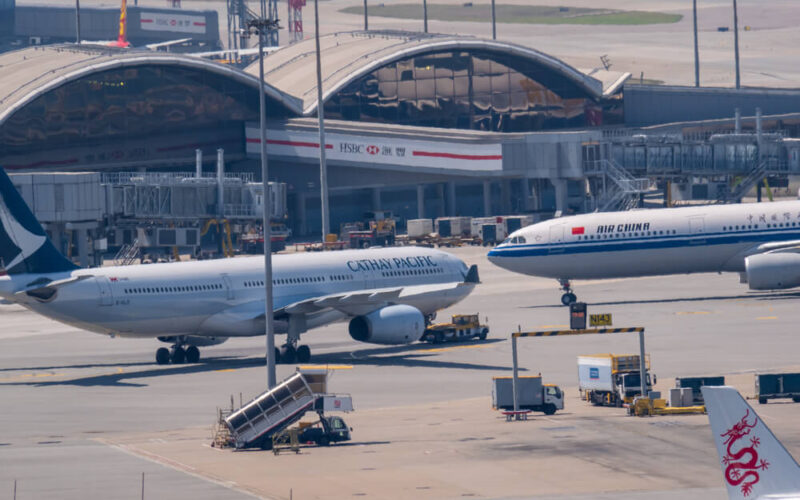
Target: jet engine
[[773, 271], [397, 324]]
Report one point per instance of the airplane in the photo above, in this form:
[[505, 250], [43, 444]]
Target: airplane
[[758, 240], [387, 294], [754, 463]]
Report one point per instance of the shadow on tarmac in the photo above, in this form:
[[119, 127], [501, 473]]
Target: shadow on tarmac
[[415, 355], [766, 296]]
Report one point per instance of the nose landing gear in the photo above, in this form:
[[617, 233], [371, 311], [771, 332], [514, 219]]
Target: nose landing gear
[[569, 297]]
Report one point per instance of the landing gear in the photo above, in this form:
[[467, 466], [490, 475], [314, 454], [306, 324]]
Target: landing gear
[[162, 356], [289, 354], [177, 355], [192, 354], [568, 297]]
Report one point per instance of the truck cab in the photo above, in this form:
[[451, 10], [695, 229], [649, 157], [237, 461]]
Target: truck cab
[[553, 399], [326, 431]]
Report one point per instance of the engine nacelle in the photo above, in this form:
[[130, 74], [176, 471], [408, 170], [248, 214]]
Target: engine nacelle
[[398, 324], [773, 271]]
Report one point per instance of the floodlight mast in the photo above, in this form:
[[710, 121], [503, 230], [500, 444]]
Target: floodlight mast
[[261, 27]]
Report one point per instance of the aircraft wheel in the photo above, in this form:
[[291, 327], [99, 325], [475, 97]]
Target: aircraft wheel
[[483, 334], [288, 355], [568, 298], [162, 356], [178, 355], [192, 354], [303, 354]]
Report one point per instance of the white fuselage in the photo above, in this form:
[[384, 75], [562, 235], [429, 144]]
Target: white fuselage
[[648, 242], [222, 297]]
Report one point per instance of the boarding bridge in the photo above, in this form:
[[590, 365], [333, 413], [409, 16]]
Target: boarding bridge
[[255, 423]]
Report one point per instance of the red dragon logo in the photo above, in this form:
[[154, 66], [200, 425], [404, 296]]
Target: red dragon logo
[[738, 471]]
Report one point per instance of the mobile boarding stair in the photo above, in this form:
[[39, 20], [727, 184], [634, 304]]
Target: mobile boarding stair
[[254, 424]]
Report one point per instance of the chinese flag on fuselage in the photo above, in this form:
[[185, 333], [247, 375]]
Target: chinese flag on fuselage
[[577, 230]]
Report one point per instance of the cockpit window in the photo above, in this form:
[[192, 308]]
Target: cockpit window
[[507, 241]]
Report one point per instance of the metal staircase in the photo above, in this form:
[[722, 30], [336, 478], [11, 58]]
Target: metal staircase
[[127, 254], [628, 188], [745, 185]]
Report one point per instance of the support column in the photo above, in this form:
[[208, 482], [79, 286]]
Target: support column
[[487, 198], [420, 201], [440, 196], [300, 211], [376, 199], [83, 247], [505, 196], [451, 198], [560, 186]]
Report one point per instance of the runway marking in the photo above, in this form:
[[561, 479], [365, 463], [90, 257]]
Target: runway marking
[[226, 370], [327, 367], [453, 348], [31, 375], [766, 317], [552, 326], [680, 313], [178, 466]]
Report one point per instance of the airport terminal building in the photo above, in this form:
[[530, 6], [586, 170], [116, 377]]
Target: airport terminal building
[[424, 125]]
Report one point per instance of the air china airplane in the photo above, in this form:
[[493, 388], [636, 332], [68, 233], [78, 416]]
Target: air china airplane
[[758, 240], [387, 294], [754, 463]]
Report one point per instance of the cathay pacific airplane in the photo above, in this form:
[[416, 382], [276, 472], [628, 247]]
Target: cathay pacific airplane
[[387, 294], [759, 240], [754, 463]]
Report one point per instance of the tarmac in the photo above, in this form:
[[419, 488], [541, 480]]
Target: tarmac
[[87, 416]]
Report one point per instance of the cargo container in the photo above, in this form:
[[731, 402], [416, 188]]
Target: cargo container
[[453, 226], [418, 228], [777, 385], [695, 383]]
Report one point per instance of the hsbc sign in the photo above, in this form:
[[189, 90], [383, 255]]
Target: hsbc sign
[[377, 150]]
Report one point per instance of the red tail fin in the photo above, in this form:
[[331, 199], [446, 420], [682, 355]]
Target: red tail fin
[[122, 39]]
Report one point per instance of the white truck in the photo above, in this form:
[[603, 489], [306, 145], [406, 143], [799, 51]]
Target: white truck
[[611, 379], [532, 394]]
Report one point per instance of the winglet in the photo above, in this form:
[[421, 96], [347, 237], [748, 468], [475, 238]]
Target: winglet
[[754, 463], [472, 275]]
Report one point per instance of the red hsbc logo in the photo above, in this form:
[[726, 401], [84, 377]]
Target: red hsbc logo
[[373, 150]]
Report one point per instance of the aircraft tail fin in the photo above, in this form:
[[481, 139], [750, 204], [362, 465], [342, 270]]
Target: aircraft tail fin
[[122, 38], [754, 463], [24, 246]]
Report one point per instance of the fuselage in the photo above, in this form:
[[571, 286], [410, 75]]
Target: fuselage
[[209, 297], [648, 242]]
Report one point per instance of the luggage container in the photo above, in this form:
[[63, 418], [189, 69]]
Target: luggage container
[[777, 385]]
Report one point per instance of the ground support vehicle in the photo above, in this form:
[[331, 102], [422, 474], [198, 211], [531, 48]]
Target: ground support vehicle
[[325, 431], [611, 379], [379, 229], [645, 407], [254, 424], [462, 327], [532, 395], [695, 383], [777, 385]]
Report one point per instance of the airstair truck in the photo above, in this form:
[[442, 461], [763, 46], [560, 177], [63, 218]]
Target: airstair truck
[[254, 424], [611, 379]]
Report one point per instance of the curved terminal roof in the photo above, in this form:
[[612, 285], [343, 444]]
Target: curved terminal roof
[[350, 55], [28, 73]]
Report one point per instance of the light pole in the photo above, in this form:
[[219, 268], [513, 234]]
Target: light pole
[[366, 22], [736, 42], [425, 14], [696, 49], [323, 166], [78, 21], [261, 27], [494, 23]]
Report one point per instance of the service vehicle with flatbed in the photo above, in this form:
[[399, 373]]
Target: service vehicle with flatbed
[[461, 327]]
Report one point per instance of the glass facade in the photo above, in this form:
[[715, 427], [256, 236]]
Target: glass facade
[[131, 104], [468, 90]]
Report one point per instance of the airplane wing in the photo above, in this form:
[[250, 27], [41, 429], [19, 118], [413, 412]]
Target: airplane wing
[[366, 301]]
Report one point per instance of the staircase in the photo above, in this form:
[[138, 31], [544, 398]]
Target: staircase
[[127, 254], [628, 188], [745, 185]]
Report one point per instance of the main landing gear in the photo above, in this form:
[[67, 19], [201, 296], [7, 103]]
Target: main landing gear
[[290, 353], [177, 355], [568, 297]]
